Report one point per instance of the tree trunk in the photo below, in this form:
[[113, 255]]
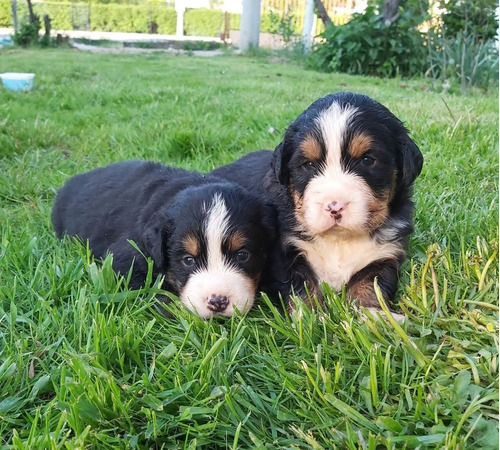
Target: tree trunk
[[323, 15], [48, 26], [33, 17], [390, 12]]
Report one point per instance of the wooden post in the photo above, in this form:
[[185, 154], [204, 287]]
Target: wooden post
[[250, 25]]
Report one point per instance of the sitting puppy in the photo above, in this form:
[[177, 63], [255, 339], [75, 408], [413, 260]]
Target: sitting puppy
[[207, 236], [342, 180]]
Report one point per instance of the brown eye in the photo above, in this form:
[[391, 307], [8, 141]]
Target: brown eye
[[242, 256], [367, 161], [188, 261]]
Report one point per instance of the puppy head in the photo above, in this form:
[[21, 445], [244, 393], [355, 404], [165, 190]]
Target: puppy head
[[216, 248], [343, 161]]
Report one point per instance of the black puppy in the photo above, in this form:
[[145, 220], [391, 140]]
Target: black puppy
[[207, 236], [342, 180]]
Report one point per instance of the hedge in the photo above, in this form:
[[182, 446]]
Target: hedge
[[122, 17], [130, 17]]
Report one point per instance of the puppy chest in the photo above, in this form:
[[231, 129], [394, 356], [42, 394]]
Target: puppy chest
[[335, 260]]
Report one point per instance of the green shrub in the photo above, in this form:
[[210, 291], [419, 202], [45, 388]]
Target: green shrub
[[59, 13], [203, 22], [166, 19], [470, 18], [132, 18], [366, 46], [464, 60], [27, 34], [284, 24], [5, 14]]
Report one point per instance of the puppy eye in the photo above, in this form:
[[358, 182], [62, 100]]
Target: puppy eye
[[242, 256], [367, 161], [307, 165], [188, 261]]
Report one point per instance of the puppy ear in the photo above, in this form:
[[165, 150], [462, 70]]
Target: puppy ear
[[281, 158], [411, 160], [280, 170], [155, 236]]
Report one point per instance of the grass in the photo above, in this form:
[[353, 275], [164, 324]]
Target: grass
[[85, 363]]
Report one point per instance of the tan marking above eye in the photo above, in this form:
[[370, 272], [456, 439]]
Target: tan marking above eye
[[191, 245], [236, 241], [310, 148], [359, 145]]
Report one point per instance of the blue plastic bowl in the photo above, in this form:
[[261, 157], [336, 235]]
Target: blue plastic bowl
[[18, 81]]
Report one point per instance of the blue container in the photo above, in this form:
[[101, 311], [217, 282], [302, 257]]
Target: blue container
[[18, 81]]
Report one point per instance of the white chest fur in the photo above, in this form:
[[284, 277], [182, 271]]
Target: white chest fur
[[335, 259]]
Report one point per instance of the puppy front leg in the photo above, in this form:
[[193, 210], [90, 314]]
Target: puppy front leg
[[302, 283], [360, 286]]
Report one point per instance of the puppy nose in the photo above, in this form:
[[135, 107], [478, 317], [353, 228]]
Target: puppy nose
[[334, 207], [218, 303]]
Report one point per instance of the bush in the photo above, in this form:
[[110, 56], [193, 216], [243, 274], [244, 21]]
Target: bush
[[464, 60], [27, 34], [59, 13], [366, 46], [203, 22], [284, 24], [471, 18], [208, 22]]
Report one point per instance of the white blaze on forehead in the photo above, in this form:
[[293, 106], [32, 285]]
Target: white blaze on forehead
[[333, 123], [216, 228], [218, 277], [333, 183]]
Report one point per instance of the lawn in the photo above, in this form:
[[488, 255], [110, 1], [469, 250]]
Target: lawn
[[86, 364]]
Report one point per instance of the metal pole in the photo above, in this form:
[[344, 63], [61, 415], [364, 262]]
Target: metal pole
[[14, 15], [308, 26]]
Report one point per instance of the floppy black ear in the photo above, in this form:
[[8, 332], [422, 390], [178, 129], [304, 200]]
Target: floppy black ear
[[411, 159], [155, 236], [280, 170]]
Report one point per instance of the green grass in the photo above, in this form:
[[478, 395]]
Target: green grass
[[87, 364]]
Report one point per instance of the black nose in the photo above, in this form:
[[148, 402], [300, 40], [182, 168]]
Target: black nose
[[218, 303]]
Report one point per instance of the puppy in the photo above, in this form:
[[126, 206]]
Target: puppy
[[342, 181], [207, 236]]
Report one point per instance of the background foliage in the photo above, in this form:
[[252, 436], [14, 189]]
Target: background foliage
[[365, 45], [458, 47]]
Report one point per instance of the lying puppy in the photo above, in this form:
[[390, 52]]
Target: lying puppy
[[207, 236], [342, 180]]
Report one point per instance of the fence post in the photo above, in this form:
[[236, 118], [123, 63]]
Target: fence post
[[179, 9], [250, 24]]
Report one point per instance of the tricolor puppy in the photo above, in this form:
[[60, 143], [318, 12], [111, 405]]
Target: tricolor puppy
[[207, 236], [342, 179]]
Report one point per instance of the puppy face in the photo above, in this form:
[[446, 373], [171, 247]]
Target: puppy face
[[343, 161], [216, 249]]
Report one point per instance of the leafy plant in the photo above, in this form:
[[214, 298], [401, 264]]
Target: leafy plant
[[471, 18], [283, 24], [367, 46], [465, 60], [27, 33]]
